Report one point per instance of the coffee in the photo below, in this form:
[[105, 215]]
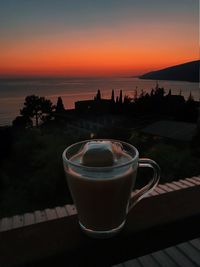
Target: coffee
[[101, 175], [101, 195]]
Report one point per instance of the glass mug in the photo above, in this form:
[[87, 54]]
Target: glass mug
[[102, 195]]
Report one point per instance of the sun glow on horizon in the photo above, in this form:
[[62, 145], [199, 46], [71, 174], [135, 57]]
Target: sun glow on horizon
[[123, 46]]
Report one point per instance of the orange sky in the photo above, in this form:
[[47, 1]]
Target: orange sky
[[125, 48]]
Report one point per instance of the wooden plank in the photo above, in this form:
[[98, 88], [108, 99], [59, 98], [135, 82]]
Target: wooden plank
[[148, 195], [71, 209], [40, 216], [51, 214], [132, 263], [187, 183], [179, 257], [190, 252], [154, 224], [162, 188], [153, 193], [179, 184], [159, 190], [6, 224], [61, 212], [18, 221], [29, 218], [66, 210], [196, 178], [173, 186], [163, 259], [165, 187], [194, 181], [149, 261], [196, 243]]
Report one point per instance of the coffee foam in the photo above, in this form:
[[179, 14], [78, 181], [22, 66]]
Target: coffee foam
[[101, 153], [97, 154]]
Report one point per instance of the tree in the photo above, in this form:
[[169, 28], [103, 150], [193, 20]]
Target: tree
[[169, 93], [152, 92], [37, 108], [21, 122], [159, 92], [113, 96], [127, 100], [191, 109], [135, 94], [198, 122], [59, 105], [190, 97], [120, 97], [98, 96], [141, 94]]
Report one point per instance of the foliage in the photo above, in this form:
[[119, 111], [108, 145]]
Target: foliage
[[176, 159], [32, 175], [31, 171], [113, 96], [38, 108], [6, 142], [21, 122], [59, 105], [98, 96], [155, 103]]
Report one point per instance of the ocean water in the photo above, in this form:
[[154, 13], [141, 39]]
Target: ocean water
[[13, 92]]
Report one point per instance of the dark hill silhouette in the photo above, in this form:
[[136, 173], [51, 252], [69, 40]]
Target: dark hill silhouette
[[184, 72]]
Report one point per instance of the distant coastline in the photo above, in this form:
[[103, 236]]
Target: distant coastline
[[188, 72], [13, 92]]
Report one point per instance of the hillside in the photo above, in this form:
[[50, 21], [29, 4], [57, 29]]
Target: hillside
[[185, 72]]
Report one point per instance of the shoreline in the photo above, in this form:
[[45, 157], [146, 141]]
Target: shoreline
[[13, 93]]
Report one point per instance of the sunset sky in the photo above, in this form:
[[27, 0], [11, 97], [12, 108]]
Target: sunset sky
[[96, 38]]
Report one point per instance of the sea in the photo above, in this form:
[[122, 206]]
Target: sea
[[13, 92]]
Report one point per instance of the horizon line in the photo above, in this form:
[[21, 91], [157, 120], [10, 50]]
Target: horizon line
[[47, 77], [12, 76]]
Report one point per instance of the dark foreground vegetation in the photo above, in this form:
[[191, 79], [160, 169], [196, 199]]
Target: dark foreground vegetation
[[31, 171]]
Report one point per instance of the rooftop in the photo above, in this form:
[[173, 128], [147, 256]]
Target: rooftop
[[182, 131]]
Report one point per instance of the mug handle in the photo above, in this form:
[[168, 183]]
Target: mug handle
[[144, 191]]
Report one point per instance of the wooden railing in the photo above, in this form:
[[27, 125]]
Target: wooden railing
[[169, 216]]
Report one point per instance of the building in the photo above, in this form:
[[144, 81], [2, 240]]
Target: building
[[96, 106]]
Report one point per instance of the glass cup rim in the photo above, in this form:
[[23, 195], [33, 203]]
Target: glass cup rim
[[106, 168]]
